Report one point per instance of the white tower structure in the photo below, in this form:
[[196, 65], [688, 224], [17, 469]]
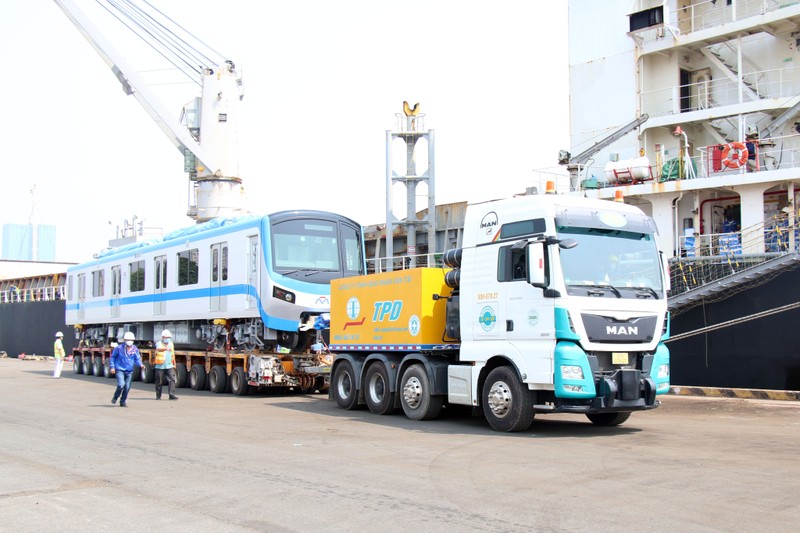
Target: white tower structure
[[410, 129]]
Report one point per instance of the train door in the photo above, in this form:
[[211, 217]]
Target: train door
[[219, 276], [252, 272], [81, 296], [116, 290], [160, 283]]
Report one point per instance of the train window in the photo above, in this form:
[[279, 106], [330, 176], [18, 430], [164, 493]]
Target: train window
[[188, 261], [352, 250], [98, 281], [136, 276], [214, 264], [306, 244], [224, 263], [69, 287], [116, 280]]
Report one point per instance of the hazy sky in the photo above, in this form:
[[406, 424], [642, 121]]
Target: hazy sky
[[323, 82]]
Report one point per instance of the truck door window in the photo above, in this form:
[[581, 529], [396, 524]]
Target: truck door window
[[511, 264]]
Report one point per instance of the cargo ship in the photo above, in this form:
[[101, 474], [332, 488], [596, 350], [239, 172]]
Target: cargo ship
[[691, 111]]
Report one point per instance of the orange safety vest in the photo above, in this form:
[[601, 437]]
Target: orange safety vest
[[161, 357]]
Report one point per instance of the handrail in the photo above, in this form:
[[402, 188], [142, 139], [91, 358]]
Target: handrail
[[38, 294]]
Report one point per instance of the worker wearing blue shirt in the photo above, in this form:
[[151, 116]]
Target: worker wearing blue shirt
[[124, 359]]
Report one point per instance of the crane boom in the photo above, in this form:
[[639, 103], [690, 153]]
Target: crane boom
[[215, 177]]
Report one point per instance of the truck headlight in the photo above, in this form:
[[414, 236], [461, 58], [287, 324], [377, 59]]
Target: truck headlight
[[663, 385], [571, 372], [573, 388], [663, 371]]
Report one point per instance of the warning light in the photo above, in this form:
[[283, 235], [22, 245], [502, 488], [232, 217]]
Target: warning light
[[550, 187], [618, 196]]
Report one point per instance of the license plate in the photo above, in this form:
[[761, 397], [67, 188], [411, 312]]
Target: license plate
[[619, 358]]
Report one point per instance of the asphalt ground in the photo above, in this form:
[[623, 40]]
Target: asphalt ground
[[70, 461]]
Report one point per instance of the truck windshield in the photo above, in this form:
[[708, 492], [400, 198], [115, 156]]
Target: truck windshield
[[621, 264]]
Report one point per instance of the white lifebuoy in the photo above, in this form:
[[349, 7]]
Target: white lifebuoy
[[734, 155]]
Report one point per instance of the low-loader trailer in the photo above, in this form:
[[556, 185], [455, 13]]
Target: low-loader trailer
[[554, 304]]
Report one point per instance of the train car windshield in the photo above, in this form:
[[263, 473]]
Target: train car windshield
[[308, 247]]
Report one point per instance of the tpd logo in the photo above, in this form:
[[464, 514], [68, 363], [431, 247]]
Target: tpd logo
[[488, 223], [487, 318], [388, 310]]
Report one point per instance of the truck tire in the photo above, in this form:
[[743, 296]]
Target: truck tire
[[344, 386], [77, 364], [377, 395], [107, 369], [217, 379], [608, 419], [87, 365], [97, 367], [507, 402], [239, 386], [181, 375], [415, 395], [197, 377], [148, 373]]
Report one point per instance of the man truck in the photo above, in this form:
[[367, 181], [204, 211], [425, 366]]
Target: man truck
[[553, 304]]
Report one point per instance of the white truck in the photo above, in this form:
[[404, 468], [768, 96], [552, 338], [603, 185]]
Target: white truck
[[553, 304]]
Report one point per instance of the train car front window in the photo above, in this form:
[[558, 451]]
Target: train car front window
[[305, 245]]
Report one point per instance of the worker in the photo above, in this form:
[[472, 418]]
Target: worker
[[124, 359], [752, 146], [165, 364], [58, 353]]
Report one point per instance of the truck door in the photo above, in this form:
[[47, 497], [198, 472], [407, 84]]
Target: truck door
[[219, 276], [253, 263], [160, 283], [528, 318], [81, 296]]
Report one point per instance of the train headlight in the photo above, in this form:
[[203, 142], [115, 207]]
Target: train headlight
[[282, 294]]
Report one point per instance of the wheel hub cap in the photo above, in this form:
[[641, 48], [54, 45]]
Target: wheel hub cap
[[412, 392], [499, 399]]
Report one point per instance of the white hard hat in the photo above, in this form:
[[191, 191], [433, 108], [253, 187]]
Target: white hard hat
[[166, 333], [129, 336], [59, 334]]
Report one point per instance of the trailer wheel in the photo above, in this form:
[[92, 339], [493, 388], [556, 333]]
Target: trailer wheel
[[344, 386], [107, 369], [77, 364], [148, 373], [507, 402], [217, 379], [608, 419], [379, 398], [87, 365], [197, 377], [238, 380], [416, 398], [181, 375], [97, 367]]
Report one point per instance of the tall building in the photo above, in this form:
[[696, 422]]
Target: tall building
[[29, 242]]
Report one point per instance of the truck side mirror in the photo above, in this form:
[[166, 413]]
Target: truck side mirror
[[665, 271], [537, 275]]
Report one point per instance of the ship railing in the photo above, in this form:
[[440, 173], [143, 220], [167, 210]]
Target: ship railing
[[707, 94], [38, 294], [703, 14], [404, 262]]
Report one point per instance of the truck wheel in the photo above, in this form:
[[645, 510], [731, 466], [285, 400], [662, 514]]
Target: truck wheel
[[238, 380], [87, 365], [217, 379], [344, 386], [608, 419], [377, 395], [416, 398], [107, 369], [197, 377], [148, 373], [77, 364], [97, 367], [507, 402], [181, 375]]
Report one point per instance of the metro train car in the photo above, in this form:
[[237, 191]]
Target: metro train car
[[246, 283]]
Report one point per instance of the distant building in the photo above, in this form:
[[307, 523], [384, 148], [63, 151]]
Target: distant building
[[28, 242]]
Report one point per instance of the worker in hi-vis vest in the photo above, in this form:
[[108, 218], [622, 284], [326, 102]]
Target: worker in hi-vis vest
[[165, 364], [58, 353]]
